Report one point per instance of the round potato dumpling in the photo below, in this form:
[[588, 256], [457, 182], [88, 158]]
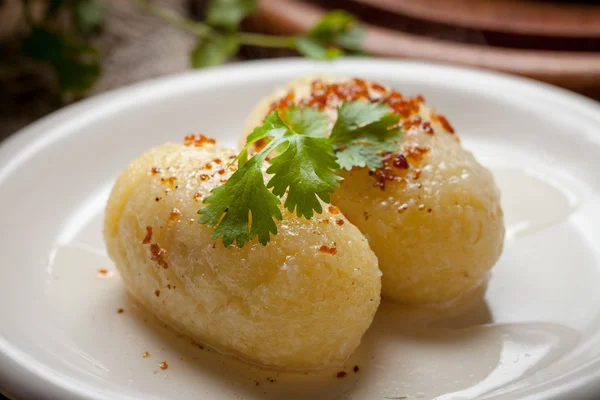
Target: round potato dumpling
[[303, 301], [431, 214]]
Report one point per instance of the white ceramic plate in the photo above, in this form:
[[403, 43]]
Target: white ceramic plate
[[535, 332]]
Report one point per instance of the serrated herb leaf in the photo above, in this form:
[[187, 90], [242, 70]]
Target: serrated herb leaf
[[306, 121], [242, 197], [229, 13], [362, 132], [213, 50], [305, 170]]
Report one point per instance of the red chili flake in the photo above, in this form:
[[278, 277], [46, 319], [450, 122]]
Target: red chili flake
[[411, 122], [163, 365], [386, 173], [145, 354], [416, 173], [283, 102], [169, 180], [217, 161], [120, 311], [198, 140], [340, 222], [104, 272], [223, 180], [329, 250], [197, 195], [325, 221], [443, 121], [426, 127], [378, 88], [334, 210], [400, 162], [415, 153], [204, 177], [221, 171], [158, 255], [208, 166], [341, 374], [174, 214], [155, 170], [148, 237]]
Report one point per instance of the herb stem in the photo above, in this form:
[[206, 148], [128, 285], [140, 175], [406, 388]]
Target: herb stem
[[261, 40], [203, 30], [197, 28]]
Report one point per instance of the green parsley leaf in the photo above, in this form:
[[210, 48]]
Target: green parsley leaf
[[307, 168], [363, 153], [214, 50], [362, 132], [229, 13], [243, 196], [306, 121], [333, 24]]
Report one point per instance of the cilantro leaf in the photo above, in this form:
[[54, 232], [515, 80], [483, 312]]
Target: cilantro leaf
[[229, 13], [307, 168], [213, 51], [335, 31], [306, 121], [362, 132], [363, 153], [243, 196], [353, 115]]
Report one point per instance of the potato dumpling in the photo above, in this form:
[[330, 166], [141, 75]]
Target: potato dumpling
[[432, 214], [301, 302]]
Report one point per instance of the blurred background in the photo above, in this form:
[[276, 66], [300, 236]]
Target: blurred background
[[55, 52]]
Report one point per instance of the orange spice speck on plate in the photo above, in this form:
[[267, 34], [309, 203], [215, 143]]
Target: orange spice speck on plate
[[104, 272], [163, 365], [145, 354]]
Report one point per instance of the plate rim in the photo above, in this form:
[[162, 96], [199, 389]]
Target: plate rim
[[25, 376]]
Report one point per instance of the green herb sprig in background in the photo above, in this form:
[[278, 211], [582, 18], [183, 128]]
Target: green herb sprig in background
[[219, 37], [305, 170]]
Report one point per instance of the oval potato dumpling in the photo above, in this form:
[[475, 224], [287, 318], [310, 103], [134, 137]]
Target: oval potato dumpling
[[432, 214], [303, 301]]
